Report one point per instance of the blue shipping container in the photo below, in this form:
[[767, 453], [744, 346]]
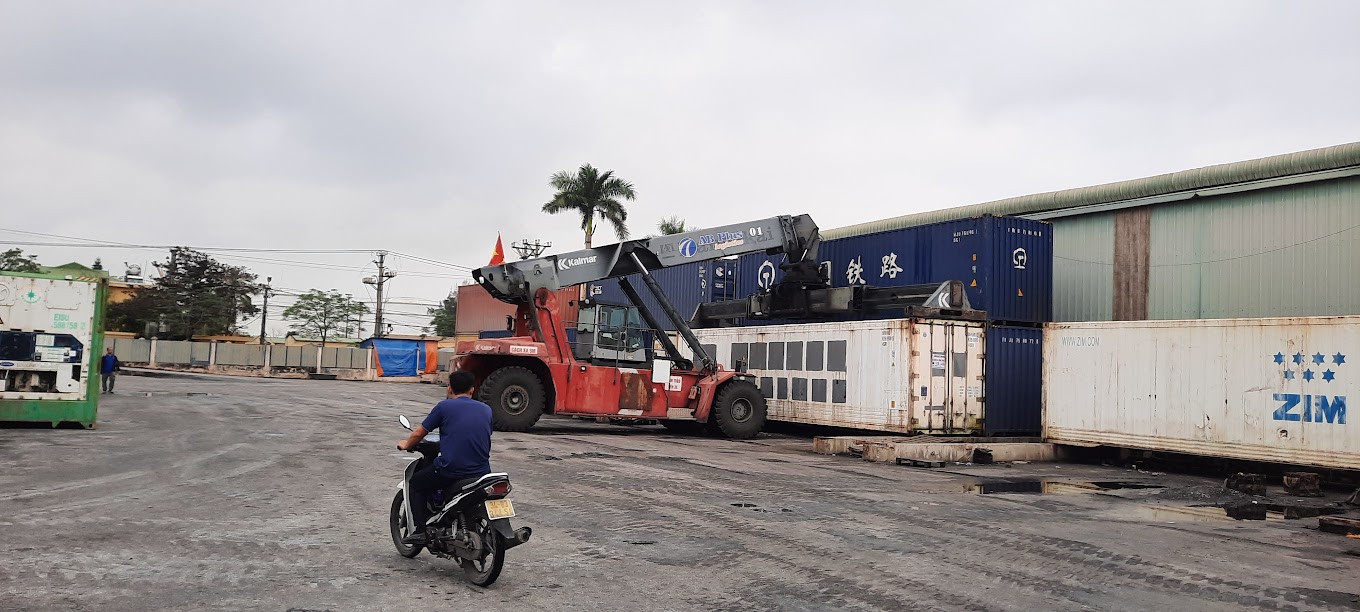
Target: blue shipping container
[[1006, 263], [685, 287], [1013, 381]]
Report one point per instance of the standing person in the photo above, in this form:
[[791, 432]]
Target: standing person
[[108, 370], [464, 448]]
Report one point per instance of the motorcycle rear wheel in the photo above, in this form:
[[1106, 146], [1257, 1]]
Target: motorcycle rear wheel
[[400, 530], [483, 573]]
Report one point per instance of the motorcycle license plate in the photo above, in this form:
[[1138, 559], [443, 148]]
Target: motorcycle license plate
[[499, 509]]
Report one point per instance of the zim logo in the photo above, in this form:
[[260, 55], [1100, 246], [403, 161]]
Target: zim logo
[[1316, 408], [1314, 369], [688, 247]]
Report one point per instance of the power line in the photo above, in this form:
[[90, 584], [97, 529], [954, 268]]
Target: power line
[[432, 261], [316, 265], [92, 243]]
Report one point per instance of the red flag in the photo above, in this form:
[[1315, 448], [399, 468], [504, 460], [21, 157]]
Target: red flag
[[498, 255]]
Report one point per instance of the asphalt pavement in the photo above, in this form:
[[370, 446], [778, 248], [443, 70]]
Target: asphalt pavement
[[216, 493]]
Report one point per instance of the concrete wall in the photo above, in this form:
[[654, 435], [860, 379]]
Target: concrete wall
[[247, 359]]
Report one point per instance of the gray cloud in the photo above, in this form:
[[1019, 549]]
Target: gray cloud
[[428, 127]]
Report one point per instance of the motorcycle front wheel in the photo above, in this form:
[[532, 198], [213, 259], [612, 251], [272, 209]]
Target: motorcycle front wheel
[[488, 569], [400, 529]]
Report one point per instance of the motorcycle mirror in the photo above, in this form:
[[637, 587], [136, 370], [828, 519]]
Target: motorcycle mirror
[[405, 423]]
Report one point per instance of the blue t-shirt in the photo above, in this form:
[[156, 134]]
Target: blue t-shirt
[[107, 364], [464, 437]]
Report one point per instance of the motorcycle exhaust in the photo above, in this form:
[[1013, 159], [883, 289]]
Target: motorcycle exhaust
[[521, 536]]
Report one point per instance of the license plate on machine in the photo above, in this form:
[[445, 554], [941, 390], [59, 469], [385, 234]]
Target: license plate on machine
[[499, 509]]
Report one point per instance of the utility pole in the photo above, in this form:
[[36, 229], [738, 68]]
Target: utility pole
[[264, 312], [528, 249], [383, 276]]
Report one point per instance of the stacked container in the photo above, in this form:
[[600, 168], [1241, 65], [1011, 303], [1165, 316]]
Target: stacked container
[[1006, 263], [685, 287]]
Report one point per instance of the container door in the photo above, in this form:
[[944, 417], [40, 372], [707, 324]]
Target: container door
[[947, 365]]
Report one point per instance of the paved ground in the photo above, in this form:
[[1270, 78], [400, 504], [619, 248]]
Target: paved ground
[[273, 495]]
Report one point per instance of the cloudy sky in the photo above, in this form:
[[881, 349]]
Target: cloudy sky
[[427, 127]]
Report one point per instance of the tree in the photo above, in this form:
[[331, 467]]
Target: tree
[[14, 260], [673, 225], [195, 295], [590, 193], [318, 313], [445, 316], [138, 314]]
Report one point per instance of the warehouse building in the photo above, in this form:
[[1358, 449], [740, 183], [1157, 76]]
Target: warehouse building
[[1276, 236]]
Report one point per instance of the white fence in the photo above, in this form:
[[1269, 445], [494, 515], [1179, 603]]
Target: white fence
[[266, 360]]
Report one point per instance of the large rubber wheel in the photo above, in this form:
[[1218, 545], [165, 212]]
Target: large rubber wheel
[[739, 410], [516, 397], [488, 569], [400, 530]]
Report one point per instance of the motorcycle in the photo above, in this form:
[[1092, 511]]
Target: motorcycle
[[469, 520]]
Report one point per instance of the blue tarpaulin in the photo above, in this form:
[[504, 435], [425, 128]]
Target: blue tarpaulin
[[399, 357]]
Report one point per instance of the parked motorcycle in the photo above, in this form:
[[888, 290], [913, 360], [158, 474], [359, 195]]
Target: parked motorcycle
[[469, 521]]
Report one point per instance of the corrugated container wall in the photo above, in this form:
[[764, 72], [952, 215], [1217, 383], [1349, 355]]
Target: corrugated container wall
[[1014, 387], [685, 287], [1006, 263], [478, 311], [1271, 390]]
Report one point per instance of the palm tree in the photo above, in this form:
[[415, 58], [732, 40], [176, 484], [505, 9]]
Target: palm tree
[[673, 225], [591, 193]]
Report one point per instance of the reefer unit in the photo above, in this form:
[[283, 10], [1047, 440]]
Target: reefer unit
[[1270, 390], [899, 375], [51, 337], [1005, 262]]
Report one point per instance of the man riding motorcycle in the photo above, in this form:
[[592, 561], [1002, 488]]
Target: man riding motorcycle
[[464, 426]]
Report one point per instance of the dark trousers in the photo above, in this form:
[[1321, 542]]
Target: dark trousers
[[108, 380], [424, 483]]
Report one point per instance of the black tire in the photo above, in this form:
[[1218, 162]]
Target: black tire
[[516, 397], [738, 410], [685, 428], [483, 573], [399, 530]]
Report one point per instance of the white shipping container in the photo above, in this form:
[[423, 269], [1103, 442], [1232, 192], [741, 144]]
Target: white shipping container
[[898, 375], [1271, 390]]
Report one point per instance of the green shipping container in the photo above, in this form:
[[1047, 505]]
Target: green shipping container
[[51, 338]]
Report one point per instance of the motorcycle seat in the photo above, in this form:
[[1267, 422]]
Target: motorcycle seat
[[481, 481]]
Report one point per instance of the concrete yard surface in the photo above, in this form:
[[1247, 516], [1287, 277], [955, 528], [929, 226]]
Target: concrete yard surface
[[214, 493]]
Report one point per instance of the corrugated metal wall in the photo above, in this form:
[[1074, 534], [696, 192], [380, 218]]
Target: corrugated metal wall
[[1289, 251], [1282, 251], [1083, 268]]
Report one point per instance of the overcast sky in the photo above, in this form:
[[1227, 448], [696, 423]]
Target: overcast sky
[[426, 128]]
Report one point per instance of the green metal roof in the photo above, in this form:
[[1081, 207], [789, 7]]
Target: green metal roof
[[1263, 169]]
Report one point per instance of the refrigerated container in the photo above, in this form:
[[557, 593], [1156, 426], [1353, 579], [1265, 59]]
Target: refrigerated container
[[900, 375], [51, 339], [1273, 390]]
